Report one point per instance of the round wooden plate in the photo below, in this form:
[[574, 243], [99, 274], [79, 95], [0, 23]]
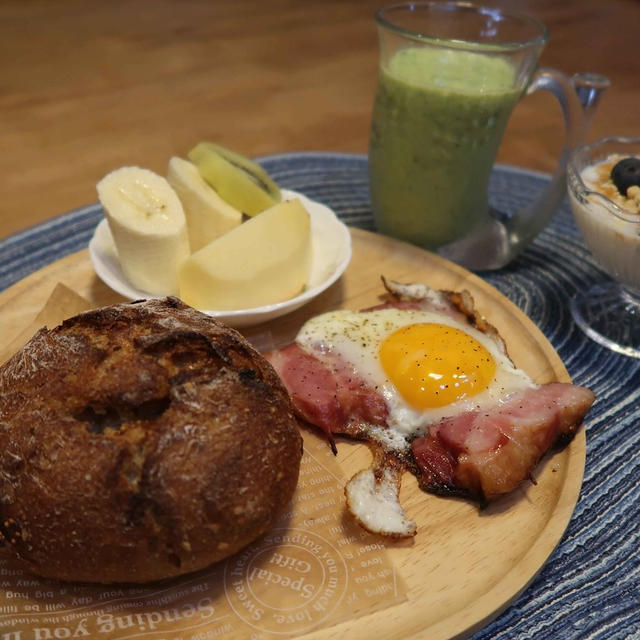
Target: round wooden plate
[[465, 565]]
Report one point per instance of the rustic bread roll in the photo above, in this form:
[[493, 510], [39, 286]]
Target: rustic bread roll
[[140, 441]]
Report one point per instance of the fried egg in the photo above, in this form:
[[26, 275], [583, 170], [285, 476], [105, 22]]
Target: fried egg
[[427, 365]]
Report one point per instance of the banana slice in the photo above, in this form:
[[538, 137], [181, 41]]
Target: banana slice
[[242, 183], [148, 226], [208, 215]]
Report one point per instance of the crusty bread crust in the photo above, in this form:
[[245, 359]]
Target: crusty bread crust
[[141, 441]]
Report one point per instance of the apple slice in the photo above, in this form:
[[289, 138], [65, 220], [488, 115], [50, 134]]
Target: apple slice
[[208, 215], [265, 260]]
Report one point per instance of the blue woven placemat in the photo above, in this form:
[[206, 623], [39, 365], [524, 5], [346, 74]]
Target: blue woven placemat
[[590, 587]]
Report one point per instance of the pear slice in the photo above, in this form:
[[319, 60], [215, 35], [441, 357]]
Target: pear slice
[[265, 260], [208, 215], [239, 181]]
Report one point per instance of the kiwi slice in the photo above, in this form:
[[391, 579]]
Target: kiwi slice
[[239, 181]]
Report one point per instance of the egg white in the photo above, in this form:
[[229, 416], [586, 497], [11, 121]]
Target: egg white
[[356, 337]]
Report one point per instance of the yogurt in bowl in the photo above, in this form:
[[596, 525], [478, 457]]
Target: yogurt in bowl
[[606, 208], [608, 219]]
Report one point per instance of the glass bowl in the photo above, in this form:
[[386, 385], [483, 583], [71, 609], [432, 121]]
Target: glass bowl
[[608, 312]]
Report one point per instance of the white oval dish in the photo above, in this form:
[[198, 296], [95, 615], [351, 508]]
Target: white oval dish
[[331, 253]]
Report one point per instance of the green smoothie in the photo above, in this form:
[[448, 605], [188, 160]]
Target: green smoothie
[[438, 119]]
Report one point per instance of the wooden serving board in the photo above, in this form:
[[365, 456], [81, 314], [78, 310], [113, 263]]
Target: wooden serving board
[[464, 566]]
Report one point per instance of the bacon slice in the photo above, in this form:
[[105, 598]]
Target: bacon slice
[[328, 394], [478, 454], [484, 454]]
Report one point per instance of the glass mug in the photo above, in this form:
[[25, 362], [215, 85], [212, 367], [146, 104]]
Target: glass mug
[[450, 75]]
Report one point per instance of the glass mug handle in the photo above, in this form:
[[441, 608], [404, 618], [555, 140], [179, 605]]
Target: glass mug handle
[[505, 235]]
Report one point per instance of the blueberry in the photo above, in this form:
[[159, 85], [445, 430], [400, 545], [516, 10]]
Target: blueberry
[[626, 174]]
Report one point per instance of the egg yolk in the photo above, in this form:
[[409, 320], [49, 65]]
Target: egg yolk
[[432, 365]]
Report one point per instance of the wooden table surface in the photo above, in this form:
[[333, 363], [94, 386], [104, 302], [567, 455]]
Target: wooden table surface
[[88, 86]]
